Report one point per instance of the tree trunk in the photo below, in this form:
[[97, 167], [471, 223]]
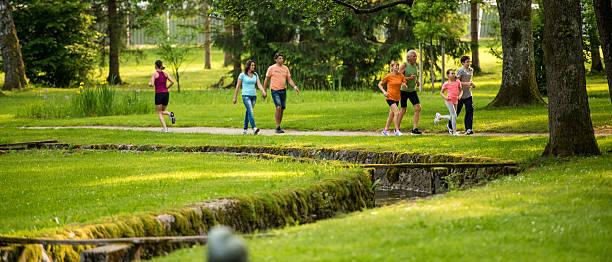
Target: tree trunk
[[207, 40], [596, 64], [237, 30], [14, 69], [518, 85], [227, 27], [114, 34], [569, 117], [603, 9], [474, 35]]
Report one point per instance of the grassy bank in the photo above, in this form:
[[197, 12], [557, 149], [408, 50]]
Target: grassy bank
[[561, 211], [43, 189]]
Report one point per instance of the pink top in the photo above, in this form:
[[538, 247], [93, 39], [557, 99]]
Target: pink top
[[452, 91], [160, 83]]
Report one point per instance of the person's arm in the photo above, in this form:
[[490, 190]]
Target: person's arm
[[169, 79], [292, 84], [152, 79], [460, 92], [402, 68], [380, 86], [238, 84], [442, 93], [263, 90]]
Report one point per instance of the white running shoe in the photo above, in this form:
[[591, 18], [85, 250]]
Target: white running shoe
[[245, 132], [398, 133], [165, 130], [385, 133], [456, 134], [437, 119]]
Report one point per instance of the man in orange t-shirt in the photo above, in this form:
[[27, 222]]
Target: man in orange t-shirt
[[278, 75], [394, 81]]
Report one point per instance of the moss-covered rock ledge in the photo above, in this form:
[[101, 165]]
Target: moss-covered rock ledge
[[352, 156], [347, 192]]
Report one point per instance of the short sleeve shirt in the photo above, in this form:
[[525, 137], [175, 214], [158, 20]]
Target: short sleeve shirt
[[410, 70], [248, 84], [394, 84], [465, 75], [278, 76], [452, 91]]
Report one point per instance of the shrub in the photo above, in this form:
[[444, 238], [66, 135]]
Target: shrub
[[57, 40]]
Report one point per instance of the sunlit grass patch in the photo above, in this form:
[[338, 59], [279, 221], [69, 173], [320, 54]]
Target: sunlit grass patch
[[47, 189]]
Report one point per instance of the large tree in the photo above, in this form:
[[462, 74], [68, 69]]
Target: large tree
[[518, 85], [14, 77], [207, 32], [603, 12], [474, 19], [114, 35], [569, 118]]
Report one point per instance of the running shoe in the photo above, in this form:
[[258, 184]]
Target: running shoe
[[398, 133], [469, 132], [385, 132], [279, 131], [245, 132], [416, 132], [437, 119], [165, 130], [455, 134], [172, 117], [256, 131]]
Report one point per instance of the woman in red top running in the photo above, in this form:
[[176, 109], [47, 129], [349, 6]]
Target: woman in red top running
[[159, 79]]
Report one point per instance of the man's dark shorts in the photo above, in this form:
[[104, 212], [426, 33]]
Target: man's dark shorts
[[280, 98], [162, 98], [413, 96]]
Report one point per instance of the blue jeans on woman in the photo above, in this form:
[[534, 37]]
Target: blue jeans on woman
[[249, 103]]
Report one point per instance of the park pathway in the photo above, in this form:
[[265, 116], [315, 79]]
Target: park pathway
[[270, 132]]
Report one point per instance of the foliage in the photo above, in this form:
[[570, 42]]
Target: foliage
[[57, 41], [437, 21], [101, 100], [590, 32], [173, 49]]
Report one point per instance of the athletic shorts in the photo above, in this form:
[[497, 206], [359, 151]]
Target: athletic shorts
[[413, 96], [391, 102], [280, 98], [162, 98]]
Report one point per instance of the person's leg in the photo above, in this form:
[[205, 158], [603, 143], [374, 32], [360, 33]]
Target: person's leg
[[459, 105], [403, 105], [248, 114], [417, 115], [469, 113], [453, 116], [160, 114], [396, 116], [389, 119]]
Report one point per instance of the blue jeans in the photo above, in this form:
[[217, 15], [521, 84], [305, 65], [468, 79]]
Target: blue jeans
[[249, 103]]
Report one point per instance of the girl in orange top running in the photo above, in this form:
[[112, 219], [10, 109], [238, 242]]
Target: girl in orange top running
[[394, 81]]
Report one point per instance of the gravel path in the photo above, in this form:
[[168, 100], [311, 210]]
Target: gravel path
[[270, 132]]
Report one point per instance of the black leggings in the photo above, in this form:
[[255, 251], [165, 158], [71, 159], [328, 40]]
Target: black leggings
[[469, 112]]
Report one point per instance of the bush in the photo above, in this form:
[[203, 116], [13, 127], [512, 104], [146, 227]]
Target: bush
[[101, 100], [57, 40]]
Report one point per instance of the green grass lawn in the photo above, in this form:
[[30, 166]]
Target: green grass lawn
[[43, 190], [310, 110], [555, 212]]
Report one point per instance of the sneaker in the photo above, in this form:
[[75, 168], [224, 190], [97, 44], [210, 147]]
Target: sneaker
[[165, 130], [172, 117], [416, 132], [455, 134], [256, 131], [279, 131], [437, 119], [245, 132], [385, 132], [469, 132], [398, 133]]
